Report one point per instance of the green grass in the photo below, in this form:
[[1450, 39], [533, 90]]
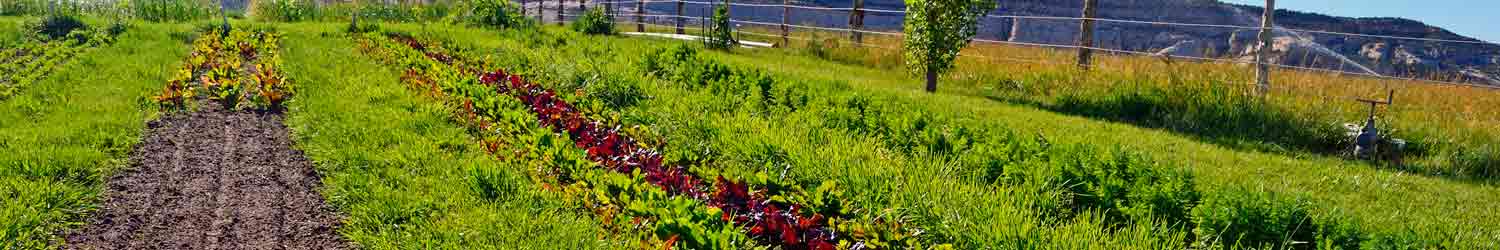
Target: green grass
[[1387, 203], [10, 31], [406, 176], [63, 135], [1386, 200]]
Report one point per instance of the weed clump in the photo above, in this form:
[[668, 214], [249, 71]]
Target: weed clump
[[1249, 218], [57, 26], [496, 14], [595, 22], [1252, 218]]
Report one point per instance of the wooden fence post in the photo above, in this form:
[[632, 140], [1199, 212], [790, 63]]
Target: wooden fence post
[[560, 9], [786, 17], [680, 17], [1086, 33], [609, 9], [1262, 70], [582, 6], [857, 22], [640, 12]]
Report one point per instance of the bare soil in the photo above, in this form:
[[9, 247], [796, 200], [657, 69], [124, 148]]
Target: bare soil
[[213, 179]]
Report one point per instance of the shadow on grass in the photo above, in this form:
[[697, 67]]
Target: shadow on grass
[[1233, 119]]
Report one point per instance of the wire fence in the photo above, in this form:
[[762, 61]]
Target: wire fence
[[633, 9]]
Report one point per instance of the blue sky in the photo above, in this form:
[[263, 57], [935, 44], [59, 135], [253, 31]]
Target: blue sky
[[1473, 18]]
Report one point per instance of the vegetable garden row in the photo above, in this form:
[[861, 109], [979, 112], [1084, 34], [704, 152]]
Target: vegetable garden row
[[42, 53], [236, 69], [697, 209]]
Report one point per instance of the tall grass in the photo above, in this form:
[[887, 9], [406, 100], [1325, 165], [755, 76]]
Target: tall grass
[[172, 10], [312, 10], [147, 10]]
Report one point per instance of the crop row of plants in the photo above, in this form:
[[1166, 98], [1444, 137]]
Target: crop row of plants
[[50, 43], [731, 117], [152, 10], [627, 181], [236, 69], [23, 65]]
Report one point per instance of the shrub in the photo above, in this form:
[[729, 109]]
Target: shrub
[[497, 14], [57, 26], [116, 28], [284, 10], [595, 22], [364, 27], [1249, 218]]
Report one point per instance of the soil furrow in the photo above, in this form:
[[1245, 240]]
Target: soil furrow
[[213, 179]]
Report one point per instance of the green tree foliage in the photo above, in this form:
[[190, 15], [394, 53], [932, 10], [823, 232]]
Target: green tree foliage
[[936, 30], [721, 35]]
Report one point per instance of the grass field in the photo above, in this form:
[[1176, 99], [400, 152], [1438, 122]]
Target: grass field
[[1006, 156], [66, 133], [1383, 200]]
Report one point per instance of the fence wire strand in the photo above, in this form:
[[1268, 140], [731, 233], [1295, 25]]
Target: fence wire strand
[[1120, 51]]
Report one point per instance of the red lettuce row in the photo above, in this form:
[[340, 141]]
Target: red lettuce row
[[754, 204], [768, 221]]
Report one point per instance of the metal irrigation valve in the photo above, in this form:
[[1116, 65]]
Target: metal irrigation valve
[[1366, 142]]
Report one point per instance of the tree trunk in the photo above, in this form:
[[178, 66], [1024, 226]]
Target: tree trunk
[[932, 79]]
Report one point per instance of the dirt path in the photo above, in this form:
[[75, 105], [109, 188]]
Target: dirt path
[[213, 180]]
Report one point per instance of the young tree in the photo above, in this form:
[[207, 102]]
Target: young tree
[[721, 34], [936, 30]]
